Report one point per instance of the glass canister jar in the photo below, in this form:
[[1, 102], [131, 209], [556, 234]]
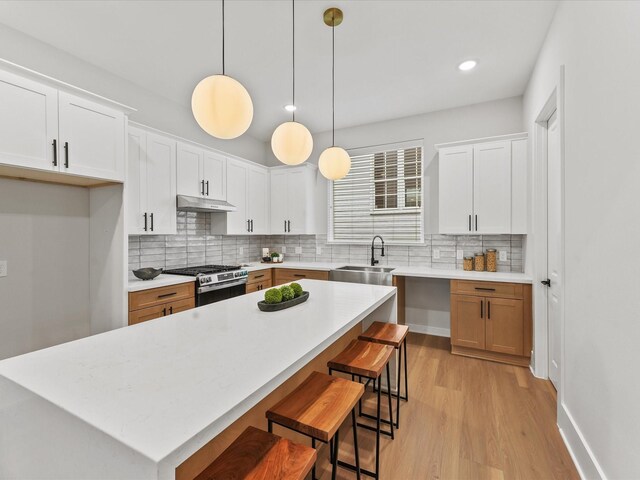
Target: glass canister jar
[[479, 262], [468, 264], [492, 264]]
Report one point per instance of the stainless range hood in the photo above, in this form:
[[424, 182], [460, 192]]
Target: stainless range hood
[[198, 204]]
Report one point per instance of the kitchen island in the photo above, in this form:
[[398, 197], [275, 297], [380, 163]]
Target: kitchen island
[[150, 400]]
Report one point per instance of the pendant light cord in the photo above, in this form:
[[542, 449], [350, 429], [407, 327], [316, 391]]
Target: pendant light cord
[[222, 37], [293, 56], [333, 81]]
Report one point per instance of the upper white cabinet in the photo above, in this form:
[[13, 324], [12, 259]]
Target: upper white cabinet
[[482, 186], [45, 129], [28, 123], [151, 183], [201, 173], [292, 190], [248, 191]]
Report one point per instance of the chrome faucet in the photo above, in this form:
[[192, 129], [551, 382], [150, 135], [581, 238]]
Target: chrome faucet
[[373, 249]]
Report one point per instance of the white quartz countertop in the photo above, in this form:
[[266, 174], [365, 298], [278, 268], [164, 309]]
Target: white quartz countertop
[[427, 272], [162, 280], [166, 387]]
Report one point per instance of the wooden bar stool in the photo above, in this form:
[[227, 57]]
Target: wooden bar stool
[[367, 359], [317, 408], [396, 336], [258, 455]]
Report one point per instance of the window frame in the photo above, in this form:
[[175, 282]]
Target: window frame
[[381, 212]]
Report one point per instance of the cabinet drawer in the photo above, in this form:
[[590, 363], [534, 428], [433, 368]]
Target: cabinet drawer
[[286, 275], [159, 296], [256, 286], [487, 289], [258, 277]]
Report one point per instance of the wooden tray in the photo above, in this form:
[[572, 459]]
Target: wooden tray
[[275, 307]]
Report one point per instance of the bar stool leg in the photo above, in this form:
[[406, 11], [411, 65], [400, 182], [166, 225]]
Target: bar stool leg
[[378, 438], [389, 398], [313, 470], [355, 441], [398, 394], [270, 426], [406, 375], [334, 461]]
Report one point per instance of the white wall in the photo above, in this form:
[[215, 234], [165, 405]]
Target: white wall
[[599, 45], [474, 121], [153, 110], [44, 236]]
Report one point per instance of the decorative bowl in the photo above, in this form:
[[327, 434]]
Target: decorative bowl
[[274, 307], [148, 273]]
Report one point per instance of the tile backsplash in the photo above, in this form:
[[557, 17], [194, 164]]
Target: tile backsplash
[[194, 245]]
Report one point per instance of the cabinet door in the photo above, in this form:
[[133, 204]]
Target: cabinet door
[[237, 196], [298, 190], [505, 325], [28, 123], [214, 174], [258, 200], [180, 306], [146, 314], [189, 180], [136, 180], [468, 321], [161, 184], [519, 216], [455, 173], [279, 202], [93, 136], [492, 187]]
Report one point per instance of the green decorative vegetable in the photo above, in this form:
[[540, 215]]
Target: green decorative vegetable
[[274, 254], [273, 295], [287, 293], [297, 289]]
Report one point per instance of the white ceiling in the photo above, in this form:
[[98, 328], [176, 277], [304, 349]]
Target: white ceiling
[[393, 58]]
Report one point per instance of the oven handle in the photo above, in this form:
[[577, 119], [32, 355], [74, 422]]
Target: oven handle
[[220, 286]]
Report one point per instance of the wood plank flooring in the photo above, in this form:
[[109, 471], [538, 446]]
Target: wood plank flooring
[[465, 419]]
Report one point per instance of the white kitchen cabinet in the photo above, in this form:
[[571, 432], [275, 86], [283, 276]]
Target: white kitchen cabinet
[[28, 123], [292, 193], [151, 183], [201, 172], [482, 186], [248, 191], [492, 187], [49, 130], [91, 138]]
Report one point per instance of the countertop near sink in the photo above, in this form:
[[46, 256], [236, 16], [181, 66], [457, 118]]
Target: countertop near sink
[[428, 272], [162, 280]]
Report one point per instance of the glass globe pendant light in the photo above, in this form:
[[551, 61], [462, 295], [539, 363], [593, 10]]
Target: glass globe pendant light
[[292, 142], [221, 105], [334, 162]]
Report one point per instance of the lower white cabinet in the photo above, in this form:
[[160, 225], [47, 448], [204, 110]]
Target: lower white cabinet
[[201, 172], [292, 195], [482, 186], [151, 183], [248, 191]]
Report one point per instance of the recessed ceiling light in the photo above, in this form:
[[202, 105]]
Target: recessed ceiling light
[[290, 108], [467, 65]]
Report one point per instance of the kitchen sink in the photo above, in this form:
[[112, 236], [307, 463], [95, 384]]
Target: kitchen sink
[[357, 274]]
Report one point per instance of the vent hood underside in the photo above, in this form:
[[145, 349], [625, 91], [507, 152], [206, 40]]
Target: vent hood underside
[[207, 205]]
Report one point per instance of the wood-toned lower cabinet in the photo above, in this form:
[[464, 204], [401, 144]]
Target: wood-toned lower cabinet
[[159, 302], [486, 325]]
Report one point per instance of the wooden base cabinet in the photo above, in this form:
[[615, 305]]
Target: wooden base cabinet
[[486, 325], [159, 302], [259, 280]]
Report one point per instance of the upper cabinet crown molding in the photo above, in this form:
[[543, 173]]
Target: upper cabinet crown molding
[[482, 186], [52, 135]]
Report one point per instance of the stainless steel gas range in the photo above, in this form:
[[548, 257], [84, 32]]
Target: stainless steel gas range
[[215, 282]]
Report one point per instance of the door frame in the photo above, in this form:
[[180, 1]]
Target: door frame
[[554, 103]]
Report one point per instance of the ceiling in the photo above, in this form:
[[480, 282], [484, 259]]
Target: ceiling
[[393, 58]]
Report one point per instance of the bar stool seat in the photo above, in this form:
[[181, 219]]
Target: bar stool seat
[[396, 336], [367, 359], [258, 455], [317, 408]]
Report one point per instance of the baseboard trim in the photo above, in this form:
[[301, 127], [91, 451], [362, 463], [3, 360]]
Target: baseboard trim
[[428, 330], [582, 456]]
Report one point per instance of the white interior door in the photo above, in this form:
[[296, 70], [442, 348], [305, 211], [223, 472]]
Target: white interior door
[[189, 180], [91, 138], [554, 248], [161, 184], [492, 187], [455, 175]]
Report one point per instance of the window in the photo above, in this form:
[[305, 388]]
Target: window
[[381, 195]]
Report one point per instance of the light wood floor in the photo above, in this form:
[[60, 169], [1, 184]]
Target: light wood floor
[[465, 419]]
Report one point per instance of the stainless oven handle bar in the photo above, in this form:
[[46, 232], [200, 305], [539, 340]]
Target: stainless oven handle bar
[[220, 286]]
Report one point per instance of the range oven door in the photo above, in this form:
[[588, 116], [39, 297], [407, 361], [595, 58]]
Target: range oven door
[[220, 291]]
